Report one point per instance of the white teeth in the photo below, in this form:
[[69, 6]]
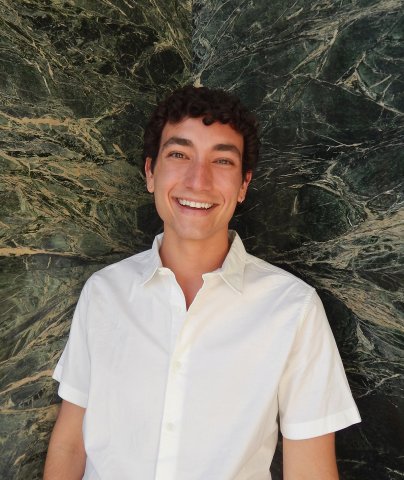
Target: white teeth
[[188, 203]]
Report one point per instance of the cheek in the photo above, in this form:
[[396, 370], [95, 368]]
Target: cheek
[[163, 188], [161, 184], [165, 176], [231, 187]]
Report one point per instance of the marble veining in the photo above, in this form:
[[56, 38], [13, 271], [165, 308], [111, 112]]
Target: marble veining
[[77, 81], [326, 80]]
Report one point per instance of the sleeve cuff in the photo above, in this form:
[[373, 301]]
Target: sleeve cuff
[[67, 392], [322, 426], [72, 395]]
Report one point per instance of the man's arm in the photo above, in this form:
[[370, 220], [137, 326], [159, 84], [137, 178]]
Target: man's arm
[[311, 459], [66, 455]]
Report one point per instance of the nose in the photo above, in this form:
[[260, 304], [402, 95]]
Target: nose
[[199, 175]]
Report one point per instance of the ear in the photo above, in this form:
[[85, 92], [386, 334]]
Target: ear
[[149, 175], [244, 186]]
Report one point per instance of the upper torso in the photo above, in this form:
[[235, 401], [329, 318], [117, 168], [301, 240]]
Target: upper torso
[[173, 394]]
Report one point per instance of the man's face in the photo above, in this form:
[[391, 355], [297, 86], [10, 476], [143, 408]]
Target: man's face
[[197, 179]]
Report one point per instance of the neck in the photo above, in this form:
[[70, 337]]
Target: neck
[[190, 259]]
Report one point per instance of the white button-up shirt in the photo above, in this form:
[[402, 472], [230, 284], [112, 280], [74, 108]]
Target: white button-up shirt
[[172, 394]]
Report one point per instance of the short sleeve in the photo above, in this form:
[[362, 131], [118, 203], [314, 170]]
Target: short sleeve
[[73, 369], [314, 394]]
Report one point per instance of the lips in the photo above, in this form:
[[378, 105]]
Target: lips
[[193, 204]]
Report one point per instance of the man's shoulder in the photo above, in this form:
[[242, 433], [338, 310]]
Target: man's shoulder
[[130, 269], [259, 270]]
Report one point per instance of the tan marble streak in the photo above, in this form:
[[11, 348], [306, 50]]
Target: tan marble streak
[[24, 381], [366, 300], [70, 184], [332, 29], [87, 177], [21, 251], [83, 130], [324, 34], [42, 416], [34, 342], [174, 35], [61, 212]]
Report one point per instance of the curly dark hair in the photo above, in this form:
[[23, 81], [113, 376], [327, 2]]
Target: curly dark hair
[[214, 106]]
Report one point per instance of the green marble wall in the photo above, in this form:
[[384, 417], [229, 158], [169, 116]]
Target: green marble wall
[[327, 82], [77, 80]]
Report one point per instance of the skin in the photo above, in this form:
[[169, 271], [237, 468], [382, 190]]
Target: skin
[[202, 164], [66, 456], [311, 459]]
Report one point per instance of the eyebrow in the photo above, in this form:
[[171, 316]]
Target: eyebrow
[[227, 147], [184, 142]]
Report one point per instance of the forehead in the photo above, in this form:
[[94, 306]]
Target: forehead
[[201, 135]]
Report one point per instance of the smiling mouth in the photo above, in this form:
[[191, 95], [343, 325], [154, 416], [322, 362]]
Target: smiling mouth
[[196, 205]]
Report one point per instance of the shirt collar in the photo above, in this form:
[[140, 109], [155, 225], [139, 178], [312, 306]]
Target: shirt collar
[[153, 260], [232, 270]]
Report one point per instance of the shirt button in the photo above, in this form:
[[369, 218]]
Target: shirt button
[[170, 427]]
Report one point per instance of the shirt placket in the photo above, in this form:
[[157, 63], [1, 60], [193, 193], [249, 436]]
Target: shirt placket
[[175, 390]]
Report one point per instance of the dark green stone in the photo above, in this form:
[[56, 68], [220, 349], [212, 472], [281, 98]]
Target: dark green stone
[[326, 81], [77, 82]]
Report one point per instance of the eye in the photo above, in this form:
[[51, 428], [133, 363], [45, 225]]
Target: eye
[[224, 161], [176, 155]]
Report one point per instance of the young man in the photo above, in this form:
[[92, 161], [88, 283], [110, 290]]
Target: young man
[[181, 359]]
